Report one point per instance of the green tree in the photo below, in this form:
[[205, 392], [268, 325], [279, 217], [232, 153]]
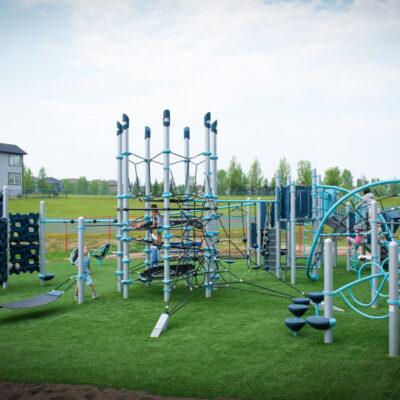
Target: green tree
[[94, 187], [255, 178], [347, 179], [156, 189], [362, 180], [28, 183], [333, 176], [284, 170], [69, 186], [273, 182], [42, 185], [104, 188], [222, 179], [266, 184], [304, 173], [82, 186], [236, 177]]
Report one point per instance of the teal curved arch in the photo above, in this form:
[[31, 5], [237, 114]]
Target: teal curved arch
[[333, 208]]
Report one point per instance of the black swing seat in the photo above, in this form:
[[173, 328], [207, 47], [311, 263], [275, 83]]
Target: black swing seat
[[319, 322], [46, 277], [34, 302]]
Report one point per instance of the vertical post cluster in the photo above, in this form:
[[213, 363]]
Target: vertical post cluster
[[120, 253], [278, 225], [248, 233], [166, 197], [348, 227], [42, 237], [126, 195], [147, 192]]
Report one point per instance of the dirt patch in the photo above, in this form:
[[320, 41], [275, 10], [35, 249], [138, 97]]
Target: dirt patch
[[24, 391]]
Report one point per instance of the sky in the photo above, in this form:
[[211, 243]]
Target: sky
[[306, 80]]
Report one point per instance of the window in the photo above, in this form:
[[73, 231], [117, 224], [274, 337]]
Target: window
[[14, 179], [15, 160]]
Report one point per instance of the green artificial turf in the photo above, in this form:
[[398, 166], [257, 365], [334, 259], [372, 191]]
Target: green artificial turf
[[232, 345]]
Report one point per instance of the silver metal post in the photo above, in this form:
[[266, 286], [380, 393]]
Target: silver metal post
[[42, 236], [147, 193], [259, 231], [393, 299], [6, 196], [81, 259], [277, 227], [125, 202], [375, 250], [349, 246], [292, 232], [207, 193], [328, 287], [214, 191], [166, 196], [248, 232], [120, 191]]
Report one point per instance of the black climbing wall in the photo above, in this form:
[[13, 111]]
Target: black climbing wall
[[24, 243], [3, 250]]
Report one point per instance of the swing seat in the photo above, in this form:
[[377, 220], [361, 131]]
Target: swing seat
[[46, 277], [101, 253]]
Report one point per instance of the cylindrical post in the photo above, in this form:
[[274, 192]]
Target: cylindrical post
[[248, 232], [214, 191], [328, 287], [120, 191], [393, 299], [320, 212], [125, 204], [147, 192], [42, 237], [166, 197], [208, 195], [81, 259], [186, 163], [375, 251], [278, 226], [6, 216], [349, 245], [292, 232], [259, 231]]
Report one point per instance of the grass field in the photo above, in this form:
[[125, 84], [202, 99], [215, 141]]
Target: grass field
[[233, 345]]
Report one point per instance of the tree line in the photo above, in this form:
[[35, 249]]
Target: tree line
[[231, 181]]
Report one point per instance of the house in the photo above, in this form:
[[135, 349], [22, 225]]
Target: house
[[54, 185], [112, 186], [11, 167]]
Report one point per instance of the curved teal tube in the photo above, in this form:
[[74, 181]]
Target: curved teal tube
[[333, 209]]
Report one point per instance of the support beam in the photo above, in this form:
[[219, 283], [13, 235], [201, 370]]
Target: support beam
[[328, 287], [81, 260], [393, 299]]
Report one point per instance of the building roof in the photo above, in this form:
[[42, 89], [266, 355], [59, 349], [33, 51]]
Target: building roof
[[53, 181], [11, 149]]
